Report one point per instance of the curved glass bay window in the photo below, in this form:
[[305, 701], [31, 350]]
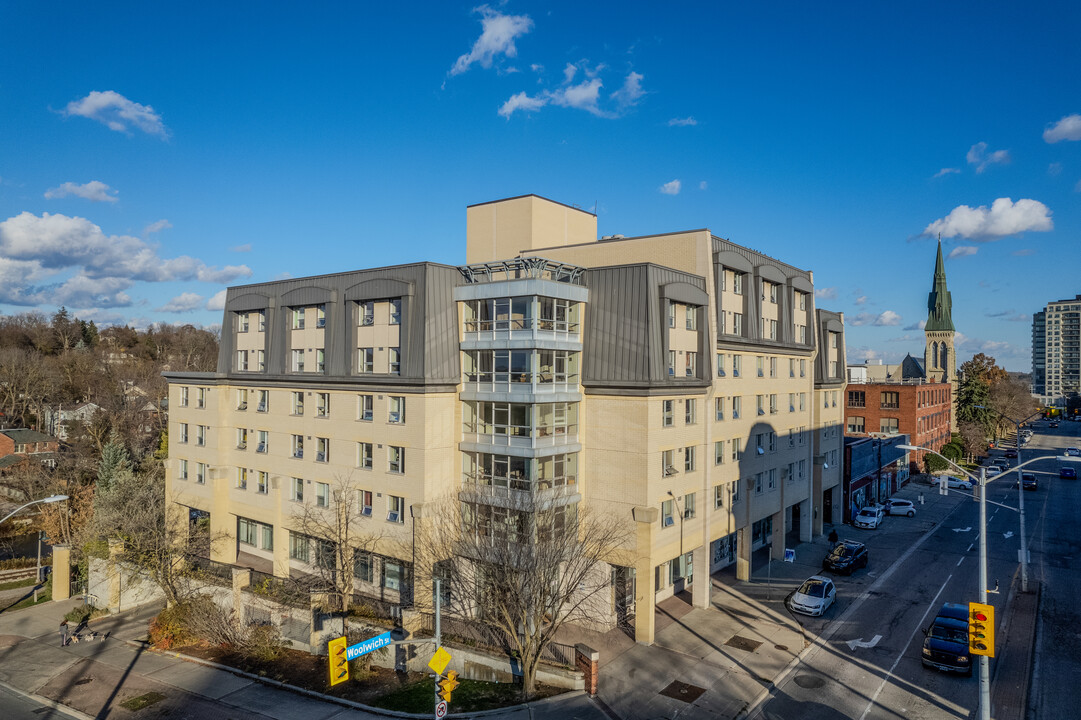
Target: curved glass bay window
[[521, 474], [493, 315], [499, 370]]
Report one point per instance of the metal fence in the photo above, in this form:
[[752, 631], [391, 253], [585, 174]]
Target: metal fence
[[212, 571], [287, 591]]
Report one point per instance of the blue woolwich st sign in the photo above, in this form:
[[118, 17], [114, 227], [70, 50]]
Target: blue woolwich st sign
[[363, 648]]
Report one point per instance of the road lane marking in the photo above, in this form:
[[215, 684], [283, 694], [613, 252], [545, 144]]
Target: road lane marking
[[962, 529], [960, 561], [901, 654], [853, 644]]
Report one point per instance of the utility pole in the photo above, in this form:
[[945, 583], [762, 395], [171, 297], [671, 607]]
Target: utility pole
[[985, 662]]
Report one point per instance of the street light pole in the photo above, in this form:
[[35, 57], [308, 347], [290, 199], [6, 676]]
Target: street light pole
[[50, 499], [985, 663]]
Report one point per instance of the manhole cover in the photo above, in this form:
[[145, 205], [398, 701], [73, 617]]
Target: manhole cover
[[682, 691], [743, 643], [810, 682], [84, 681]]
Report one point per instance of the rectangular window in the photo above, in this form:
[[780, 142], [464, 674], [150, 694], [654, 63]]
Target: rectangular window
[[857, 398], [242, 360], [395, 509], [320, 360], [719, 408], [182, 470], [737, 365], [737, 283], [718, 496], [668, 462], [771, 479], [692, 317], [364, 455], [690, 411], [246, 531], [734, 486], [298, 318], [396, 311], [364, 407], [802, 300], [891, 400], [759, 365], [773, 367], [182, 436], [688, 458], [367, 313], [241, 438], [298, 361], [322, 495], [299, 547], [395, 459], [200, 473], [737, 324], [668, 519], [200, 397], [718, 452], [667, 417], [242, 478], [322, 404], [298, 403], [297, 494], [364, 500], [737, 451], [242, 399], [802, 368], [691, 364], [737, 403], [688, 506], [395, 361], [758, 484], [720, 365], [671, 315], [298, 446], [760, 404], [183, 397], [773, 404], [264, 482], [366, 360], [855, 424], [200, 435], [320, 316], [397, 409], [261, 447], [322, 449], [791, 402], [889, 425], [261, 318], [242, 322], [363, 567], [802, 401], [671, 363]]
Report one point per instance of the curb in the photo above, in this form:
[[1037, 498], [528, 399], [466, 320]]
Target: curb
[[58, 707], [335, 700]]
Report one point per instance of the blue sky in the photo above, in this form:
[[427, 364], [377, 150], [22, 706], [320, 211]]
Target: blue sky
[[151, 154]]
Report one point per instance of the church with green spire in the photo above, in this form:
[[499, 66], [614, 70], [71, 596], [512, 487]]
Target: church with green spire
[[939, 356]]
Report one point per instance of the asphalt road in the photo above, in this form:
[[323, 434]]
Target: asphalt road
[[866, 662], [16, 706]]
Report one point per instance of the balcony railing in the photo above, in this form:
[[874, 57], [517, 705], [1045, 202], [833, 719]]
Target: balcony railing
[[540, 382]]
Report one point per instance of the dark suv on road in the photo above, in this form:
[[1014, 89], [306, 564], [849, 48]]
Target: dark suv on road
[[946, 644], [846, 557]]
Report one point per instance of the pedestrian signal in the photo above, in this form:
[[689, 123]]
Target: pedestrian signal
[[447, 685]]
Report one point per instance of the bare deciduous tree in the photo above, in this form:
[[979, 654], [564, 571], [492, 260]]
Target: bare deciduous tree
[[1013, 400], [523, 569]]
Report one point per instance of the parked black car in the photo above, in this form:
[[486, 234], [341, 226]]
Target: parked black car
[[1011, 453], [1028, 481], [846, 557]]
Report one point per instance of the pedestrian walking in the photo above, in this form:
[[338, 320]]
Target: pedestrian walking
[[833, 538], [63, 632]]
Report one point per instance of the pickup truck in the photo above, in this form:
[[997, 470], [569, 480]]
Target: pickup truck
[[946, 644]]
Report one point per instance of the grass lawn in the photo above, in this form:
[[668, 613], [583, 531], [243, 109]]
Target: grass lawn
[[45, 594], [470, 696], [29, 582]]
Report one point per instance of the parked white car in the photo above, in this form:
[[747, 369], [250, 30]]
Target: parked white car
[[869, 518], [957, 483], [814, 596], [900, 507]]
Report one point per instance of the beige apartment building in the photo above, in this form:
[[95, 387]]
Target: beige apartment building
[[681, 382]]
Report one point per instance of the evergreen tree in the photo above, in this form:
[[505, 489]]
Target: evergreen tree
[[114, 461]]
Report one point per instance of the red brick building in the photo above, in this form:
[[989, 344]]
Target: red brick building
[[916, 408], [21, 444]]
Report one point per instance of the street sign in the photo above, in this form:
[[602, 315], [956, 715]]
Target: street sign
[[441, 710], [439, 661], [789, 555], [366, 646]]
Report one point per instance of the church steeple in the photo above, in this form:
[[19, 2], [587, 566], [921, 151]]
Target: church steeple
[[939, 303]]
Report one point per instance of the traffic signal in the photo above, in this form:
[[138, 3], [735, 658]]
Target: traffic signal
[[339, 665], [981, 629], [447, 685]]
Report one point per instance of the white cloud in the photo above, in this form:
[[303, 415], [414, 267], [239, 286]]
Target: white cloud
[[246, 247], [916, 325], [184, 302], [156, 227], [884, 319], [829, 293], [671, 188], [631, 92], [1068, 128], [1054, 169], [1005, 217], [95, 191], [862, 354], [34, 249], [962, 251], [947, 171], [216, 301], [583, 96], [702, 185], [861, 300], [536, 67], [978, 156], [688, 121], [569, 72], [522, 102], [118, 113], [497, 36]]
